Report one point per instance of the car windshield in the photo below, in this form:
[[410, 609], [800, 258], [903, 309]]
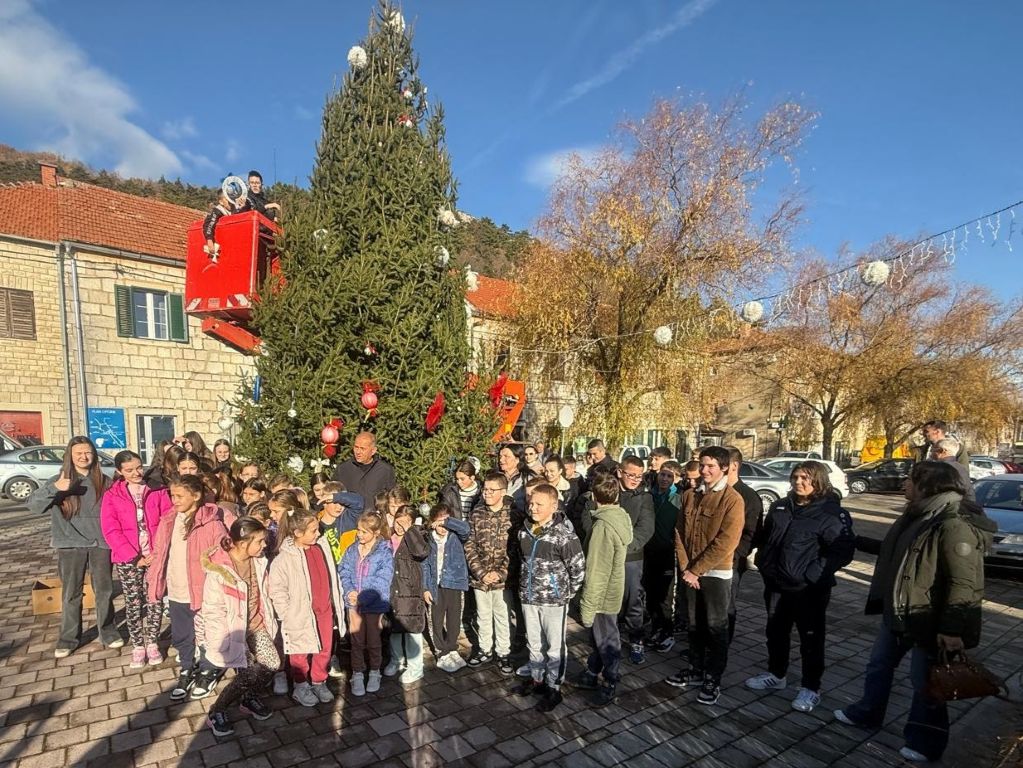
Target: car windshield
[[1000, 494], [870, 464]]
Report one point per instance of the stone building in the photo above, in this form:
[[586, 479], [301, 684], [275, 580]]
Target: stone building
[[93, 334]]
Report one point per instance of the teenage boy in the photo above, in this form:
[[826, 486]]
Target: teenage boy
[[659, 557], [658, 456], [551, 572], [604, 588], [639, 504], [710, 526], [690, 479], [486, 552]]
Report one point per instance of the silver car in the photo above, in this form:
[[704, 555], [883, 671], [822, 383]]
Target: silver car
[[25, 469], [1002, 499], [769, 484]]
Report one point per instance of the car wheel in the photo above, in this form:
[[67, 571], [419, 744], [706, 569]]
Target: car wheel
[[19, 489], [858, 486], [768, 497]]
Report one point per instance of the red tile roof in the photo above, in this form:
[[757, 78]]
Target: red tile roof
[[493, 297], [86, 213]]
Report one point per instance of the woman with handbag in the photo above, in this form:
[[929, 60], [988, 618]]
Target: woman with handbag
[[928, 585]]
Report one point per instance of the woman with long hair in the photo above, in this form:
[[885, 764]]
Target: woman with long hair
[[164, 464], [74, 499], [193, 443], [928, 585]]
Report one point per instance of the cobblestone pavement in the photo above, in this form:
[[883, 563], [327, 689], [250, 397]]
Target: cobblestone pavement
[[91, 709]]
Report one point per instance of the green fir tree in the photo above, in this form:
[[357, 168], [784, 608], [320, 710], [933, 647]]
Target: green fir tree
[[365, 292]]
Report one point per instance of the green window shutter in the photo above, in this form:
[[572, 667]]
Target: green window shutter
[[177, 318], [123, 310]]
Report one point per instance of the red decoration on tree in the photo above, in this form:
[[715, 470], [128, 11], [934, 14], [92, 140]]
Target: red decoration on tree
[[338, 424], [497, 390], [329, 434], [330, 451], [369, 398], [369, 350], [434, 413]]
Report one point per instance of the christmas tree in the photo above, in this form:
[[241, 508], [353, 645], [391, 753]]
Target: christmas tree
[[366, 301]]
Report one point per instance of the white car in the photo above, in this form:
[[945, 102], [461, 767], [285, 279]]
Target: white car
[[784, 464], [981, 466]]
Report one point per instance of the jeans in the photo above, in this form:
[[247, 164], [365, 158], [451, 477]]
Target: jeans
[[632, 604], [606, 656], [807, 610], [492, 610], [71, 565], [408, 646], [926, 728], [545, 635], [708, 626], [658, 574], [182, 622]]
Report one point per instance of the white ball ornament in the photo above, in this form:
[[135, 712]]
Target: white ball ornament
[[357, 57], [296, 463], [225, 424], [752, 311], [447, 218], [292, 413], [875, 273], [663, 335], [443, 257]]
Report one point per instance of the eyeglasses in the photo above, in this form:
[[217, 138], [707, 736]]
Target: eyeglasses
[[632, 476], [492, 490]]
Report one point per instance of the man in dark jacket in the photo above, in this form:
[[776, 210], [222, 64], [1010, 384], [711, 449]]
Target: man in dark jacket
[[255, 198], [638, 502], [365, 473], [596, 455], [754, 511]]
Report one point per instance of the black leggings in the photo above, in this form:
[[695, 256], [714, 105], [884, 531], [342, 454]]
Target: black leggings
[[446, 612]]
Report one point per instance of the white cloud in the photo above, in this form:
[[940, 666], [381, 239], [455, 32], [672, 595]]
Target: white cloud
[[48, 81], [179, 129], [233, 153], [198, 161], [624, 58], [544, 170]]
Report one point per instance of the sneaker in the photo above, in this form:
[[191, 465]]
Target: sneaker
[[172, 651], [252, 706], [766, 682], [61, 653], [358, 684], [118, 643], [322, 692], [636, 654], [550, 699], [686, 678], [444, 663], [280, 684], [913, 756], [408, 678], [478, 658], [524, 671], [710, 692], [587, 680], [806, 700], [184, 684], [219, 724], [138, 658], [373, 681], [305, 695], [842, 717], [606, 694], [506, 665], [205, 684], [666, 644], [153, 654], [393, 667], [334, 670], [456, 661]]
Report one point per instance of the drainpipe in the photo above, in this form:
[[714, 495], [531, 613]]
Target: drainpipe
[[58, 252], [77, 298]]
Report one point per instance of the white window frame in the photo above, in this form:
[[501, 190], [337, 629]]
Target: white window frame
[[150, 324]]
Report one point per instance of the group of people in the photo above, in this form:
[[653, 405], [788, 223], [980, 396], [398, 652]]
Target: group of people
[[254, 199], [251, 570]]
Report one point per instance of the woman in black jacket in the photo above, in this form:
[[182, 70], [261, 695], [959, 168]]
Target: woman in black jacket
[[806, 538]]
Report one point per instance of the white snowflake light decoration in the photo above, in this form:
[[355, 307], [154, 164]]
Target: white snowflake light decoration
[[443, 257], [292, 413], [447, 217], [663, 335], [472, 281], [318, 465], [357, 57], [296, 463], [752, 311], [396, 22], [875, 273], [319, 235]]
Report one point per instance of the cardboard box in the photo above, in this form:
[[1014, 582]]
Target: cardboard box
[[47, 593]]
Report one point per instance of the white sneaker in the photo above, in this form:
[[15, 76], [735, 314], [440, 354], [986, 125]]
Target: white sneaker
[[766, 682], [806, 700], [444, 663], [305, 695], [358, 684], [842, 717], [334, 670], [393, 667], [456, 661], [373, 683], [61, 653], [524, 670], [913, 756], [280, 684]]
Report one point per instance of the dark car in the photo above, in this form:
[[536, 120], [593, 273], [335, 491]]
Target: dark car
[[881, 476], [25, 469], [1002, 499]]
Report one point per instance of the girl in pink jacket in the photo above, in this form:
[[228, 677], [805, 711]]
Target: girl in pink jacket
[[239, 621], [128, 520], [176, 571]]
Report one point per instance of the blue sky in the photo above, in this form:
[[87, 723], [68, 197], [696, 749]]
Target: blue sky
[[919, 110]]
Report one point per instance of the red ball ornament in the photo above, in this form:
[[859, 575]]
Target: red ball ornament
[[329, 435], [330, 451], [369, 400]]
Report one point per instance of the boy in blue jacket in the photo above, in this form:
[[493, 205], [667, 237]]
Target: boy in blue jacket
[[445, 578]]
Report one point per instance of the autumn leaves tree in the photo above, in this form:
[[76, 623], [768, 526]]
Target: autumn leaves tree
[[658, 229]]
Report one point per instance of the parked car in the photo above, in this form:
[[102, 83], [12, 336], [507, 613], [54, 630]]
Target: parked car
[[798, 455], [769, 483], [881, 476], [835, 473], [640, 451], [25, 469], [993, 466], [1002, 499]]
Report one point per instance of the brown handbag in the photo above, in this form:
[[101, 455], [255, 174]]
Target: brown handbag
[[953, 677]]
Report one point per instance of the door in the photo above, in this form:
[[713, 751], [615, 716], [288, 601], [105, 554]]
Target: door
[[151, 429]]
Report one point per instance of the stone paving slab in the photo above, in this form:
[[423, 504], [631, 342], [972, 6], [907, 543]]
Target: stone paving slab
[[92, 710]]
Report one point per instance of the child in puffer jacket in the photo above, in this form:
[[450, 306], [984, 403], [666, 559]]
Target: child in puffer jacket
[[445, 578]]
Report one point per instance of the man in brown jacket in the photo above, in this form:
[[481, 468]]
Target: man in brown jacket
[[709, 526]]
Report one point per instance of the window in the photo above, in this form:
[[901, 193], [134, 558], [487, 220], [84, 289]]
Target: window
[[151, 429], [147, 314], [17, 314]]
